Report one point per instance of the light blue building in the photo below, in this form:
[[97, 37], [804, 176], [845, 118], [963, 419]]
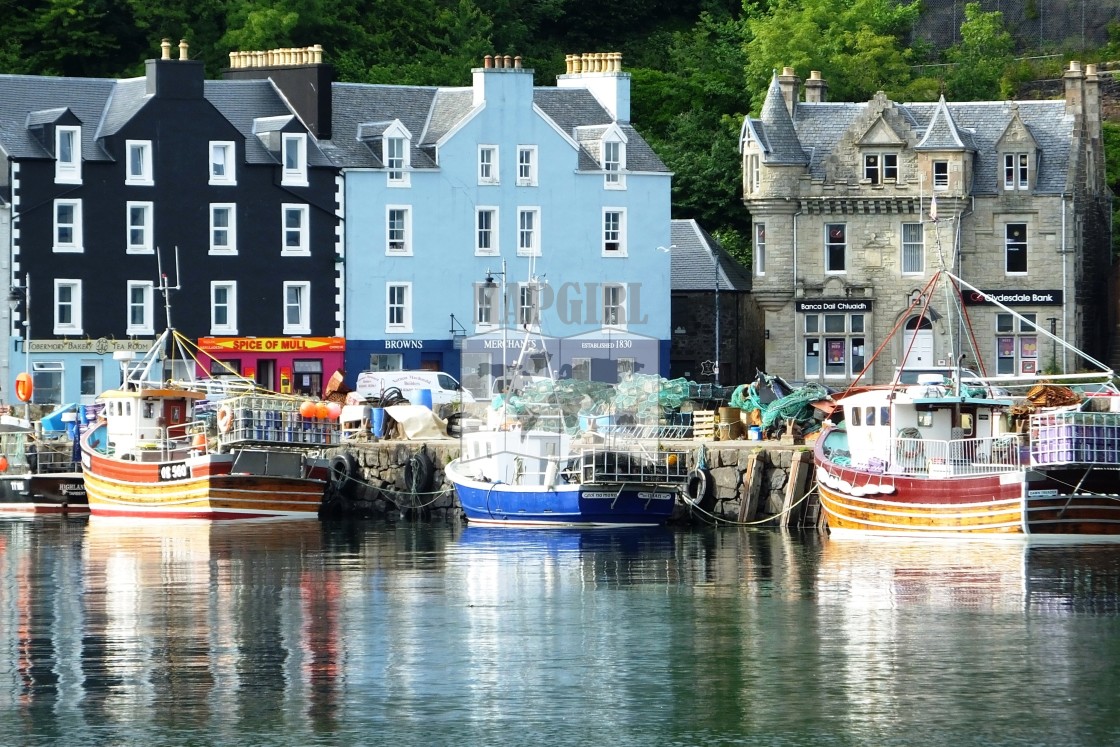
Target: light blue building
[[548, 191]]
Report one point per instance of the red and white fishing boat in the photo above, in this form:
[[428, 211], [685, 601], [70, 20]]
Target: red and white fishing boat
[[184, 451], [200, 447], [941, 459]]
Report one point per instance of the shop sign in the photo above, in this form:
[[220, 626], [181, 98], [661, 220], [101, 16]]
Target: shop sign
[[272, 344], [815, 305], [100, 346], [1014, 297]]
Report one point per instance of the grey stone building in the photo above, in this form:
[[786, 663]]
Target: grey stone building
[[717, 326], [857, 206]]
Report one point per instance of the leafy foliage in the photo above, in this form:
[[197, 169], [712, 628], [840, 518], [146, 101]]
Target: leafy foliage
[[982, 58]]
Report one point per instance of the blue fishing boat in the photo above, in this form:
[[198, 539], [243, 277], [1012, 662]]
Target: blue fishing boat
[[546, 479]]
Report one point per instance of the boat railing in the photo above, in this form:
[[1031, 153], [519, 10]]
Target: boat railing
[[961, 457], [275, 420], [634, 464]]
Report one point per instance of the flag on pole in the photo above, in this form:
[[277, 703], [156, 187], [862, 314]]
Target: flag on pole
[[933, 208]]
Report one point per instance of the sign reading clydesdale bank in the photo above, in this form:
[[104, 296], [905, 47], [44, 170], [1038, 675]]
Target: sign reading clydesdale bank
[[1014, 297], [812, 305]]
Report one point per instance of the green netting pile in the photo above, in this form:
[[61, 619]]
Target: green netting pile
[[641, 398]]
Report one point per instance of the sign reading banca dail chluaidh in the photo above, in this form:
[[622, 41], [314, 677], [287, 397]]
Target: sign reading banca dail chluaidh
[[843, 305]]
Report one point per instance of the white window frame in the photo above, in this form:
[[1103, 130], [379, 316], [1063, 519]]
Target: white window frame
[[528, 239], [912, 247], [526, 165], [68, 171], [145, 326], [301, 232], [829, 245], [145, 245], [754, 173], [885, 170], [940, 180], [614, 164], [485, 307], [529, 305], [74, 306], [613, 306], [230, 306], [491, 233], [74, 245], [759, 249], [1008, 243], [402, 304], [143, 177], [230, 209], [223, 152], [396, 164], [488, 173], [386, 362], [1016, 171], [614, 232], [302, 306], [404, 241], [293, 144]]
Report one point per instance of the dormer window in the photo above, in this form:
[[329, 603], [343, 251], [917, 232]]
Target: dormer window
[[879, 168], [940, 175], [294, 155], [614, 162], [1016, 171], [68, 155], [754, 172], [138, 162]]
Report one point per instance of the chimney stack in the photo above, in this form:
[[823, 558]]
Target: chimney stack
[[300, 74], [1075, 89], [816, 89], [790, 86], [601, 74]]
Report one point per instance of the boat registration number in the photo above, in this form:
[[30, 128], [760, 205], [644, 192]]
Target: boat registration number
[[174, 471], [17, 486]]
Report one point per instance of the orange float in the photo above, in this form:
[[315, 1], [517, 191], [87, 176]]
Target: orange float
[[322, 410], [24, 387], [3, 464], [307, 409]]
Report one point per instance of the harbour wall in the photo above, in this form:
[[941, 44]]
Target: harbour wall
[[732, 482]]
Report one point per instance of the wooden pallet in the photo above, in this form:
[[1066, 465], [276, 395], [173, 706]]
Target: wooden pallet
[[704, 424]]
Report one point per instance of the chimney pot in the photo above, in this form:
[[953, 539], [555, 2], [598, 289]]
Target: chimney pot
[[487, 62], [508, 61], [787, 71], [1074, 66], [517, 62], [165, 45], [183, 50]]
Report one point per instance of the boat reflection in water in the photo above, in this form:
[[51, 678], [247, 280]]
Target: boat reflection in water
[[1003, 575], [183, 615]]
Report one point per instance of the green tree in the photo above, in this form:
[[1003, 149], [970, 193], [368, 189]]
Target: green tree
[[982, 58], [859, 45]]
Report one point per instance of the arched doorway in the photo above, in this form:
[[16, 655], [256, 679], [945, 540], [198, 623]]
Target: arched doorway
[[918, 339]]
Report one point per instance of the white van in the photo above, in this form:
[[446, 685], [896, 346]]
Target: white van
[[444, 388]]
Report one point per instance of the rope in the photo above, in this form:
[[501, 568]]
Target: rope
[[717, 520]]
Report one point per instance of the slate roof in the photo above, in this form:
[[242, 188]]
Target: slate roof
[[818, 128], [776, 130], [692, 268], [22, 94], [244, 103]]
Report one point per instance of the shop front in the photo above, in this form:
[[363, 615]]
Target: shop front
[[289, 365]]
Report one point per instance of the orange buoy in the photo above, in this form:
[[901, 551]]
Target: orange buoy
[[322, 410], [24, 387], [199, 442], [3, 464], [307, 408]]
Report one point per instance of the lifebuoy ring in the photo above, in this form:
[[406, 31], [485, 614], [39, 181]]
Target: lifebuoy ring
[[225, 419], [911, 448], [699, 490], [344, 468]]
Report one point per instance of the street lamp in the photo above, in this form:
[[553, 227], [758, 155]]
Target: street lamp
[[490, 285]]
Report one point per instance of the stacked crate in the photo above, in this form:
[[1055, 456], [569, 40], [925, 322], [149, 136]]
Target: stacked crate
[[704, 425], [1075, 437]]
